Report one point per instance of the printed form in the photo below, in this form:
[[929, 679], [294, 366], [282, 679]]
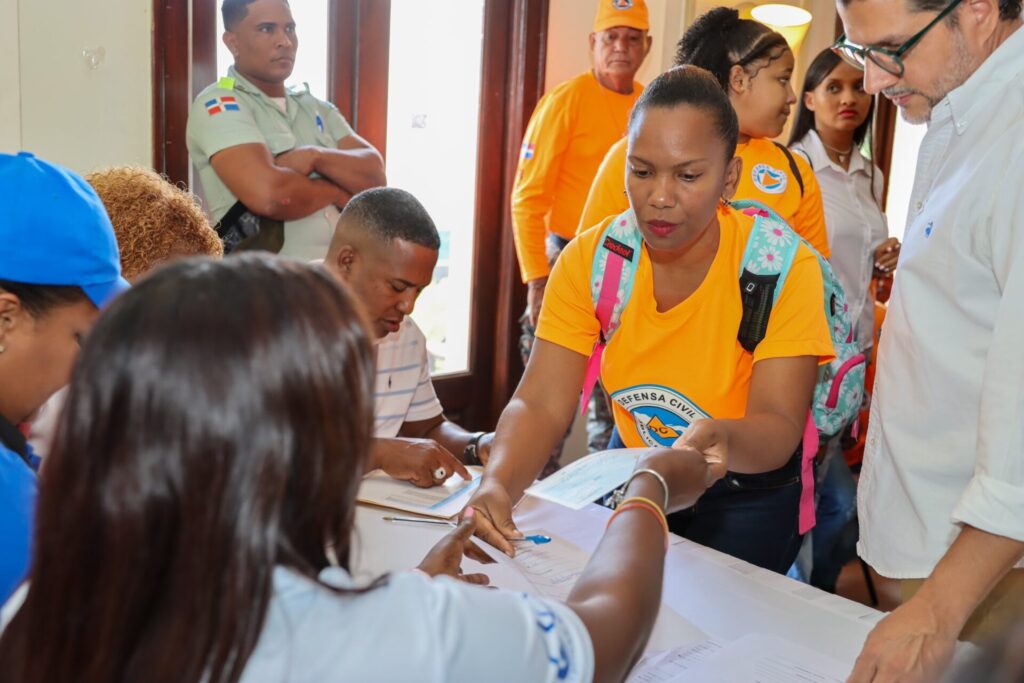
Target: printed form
[[754, 658], [587, 479]]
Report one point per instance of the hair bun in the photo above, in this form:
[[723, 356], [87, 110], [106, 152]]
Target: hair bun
[[720, 20], [709, 42]]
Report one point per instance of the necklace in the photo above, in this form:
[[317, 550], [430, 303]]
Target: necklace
[[842, 154]]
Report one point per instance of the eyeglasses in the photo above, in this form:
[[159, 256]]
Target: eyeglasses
[[890, 61]]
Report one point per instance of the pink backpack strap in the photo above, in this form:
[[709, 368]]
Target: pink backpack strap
[[606, 301], [810, 450]]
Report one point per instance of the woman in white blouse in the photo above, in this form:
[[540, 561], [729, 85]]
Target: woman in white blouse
[[195, 521], [833, 120]]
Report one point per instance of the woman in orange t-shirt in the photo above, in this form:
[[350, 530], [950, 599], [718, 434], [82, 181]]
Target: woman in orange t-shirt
[[676, 373], [753, 64]]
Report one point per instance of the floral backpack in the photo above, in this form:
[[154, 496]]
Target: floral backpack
[[767, 259]]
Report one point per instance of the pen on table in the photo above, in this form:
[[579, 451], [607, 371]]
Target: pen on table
[[418, 520], [536, 539]]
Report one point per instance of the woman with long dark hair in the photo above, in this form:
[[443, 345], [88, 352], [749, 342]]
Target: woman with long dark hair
[[195, 518], [833, 120]]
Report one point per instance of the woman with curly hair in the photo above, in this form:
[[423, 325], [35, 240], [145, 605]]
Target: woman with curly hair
[[154, 220]]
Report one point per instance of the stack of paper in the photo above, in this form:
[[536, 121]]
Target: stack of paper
[[444, 501]]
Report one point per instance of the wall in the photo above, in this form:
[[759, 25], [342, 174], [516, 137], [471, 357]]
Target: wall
[[62, 109], [10, 80]]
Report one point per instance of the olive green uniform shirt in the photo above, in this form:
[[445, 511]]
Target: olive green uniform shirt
[[233, 112]]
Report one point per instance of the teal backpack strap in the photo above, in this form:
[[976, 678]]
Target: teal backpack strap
[[611, 284], [767, 260], [769, 253]]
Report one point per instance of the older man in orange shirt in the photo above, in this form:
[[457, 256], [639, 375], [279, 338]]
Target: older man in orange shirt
[[569, 133]]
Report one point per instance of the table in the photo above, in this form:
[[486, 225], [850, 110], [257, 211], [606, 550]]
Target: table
[[722, 596]]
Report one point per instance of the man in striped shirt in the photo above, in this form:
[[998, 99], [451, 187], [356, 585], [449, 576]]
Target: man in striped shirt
[[385, 248]]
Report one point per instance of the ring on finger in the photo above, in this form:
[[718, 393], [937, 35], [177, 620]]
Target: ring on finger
[[440, 473]]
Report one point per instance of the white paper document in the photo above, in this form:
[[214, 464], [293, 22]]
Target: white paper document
[[588, 478], [551, 570], [665, 666], [760, 658], [553, 567], [443, 501]]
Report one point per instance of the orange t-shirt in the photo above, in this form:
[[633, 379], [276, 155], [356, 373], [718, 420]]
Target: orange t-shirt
[[766, 177], [665, 369], [570, 131]]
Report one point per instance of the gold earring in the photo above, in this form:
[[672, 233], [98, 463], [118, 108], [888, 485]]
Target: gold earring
[[2, 348]]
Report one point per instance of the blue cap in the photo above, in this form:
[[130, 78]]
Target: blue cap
[[55, 231]]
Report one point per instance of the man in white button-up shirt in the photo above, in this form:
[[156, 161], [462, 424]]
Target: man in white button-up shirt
[[942, 491]]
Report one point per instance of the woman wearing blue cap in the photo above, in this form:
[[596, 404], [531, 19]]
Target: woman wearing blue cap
[[58, 266]]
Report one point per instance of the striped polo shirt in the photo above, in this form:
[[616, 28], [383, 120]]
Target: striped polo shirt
[[403, 391]]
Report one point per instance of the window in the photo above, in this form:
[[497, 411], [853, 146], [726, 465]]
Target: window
[[447, 106], [433, 111]]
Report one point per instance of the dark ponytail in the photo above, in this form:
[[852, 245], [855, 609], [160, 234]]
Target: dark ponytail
[[719, 40]]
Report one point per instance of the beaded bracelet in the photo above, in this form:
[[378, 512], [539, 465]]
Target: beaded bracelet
[[639, 502]]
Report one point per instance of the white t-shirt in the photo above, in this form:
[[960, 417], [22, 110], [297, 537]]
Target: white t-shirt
[[946, 439], [410, 629], [855, 225], [403, 391], [415, 629]]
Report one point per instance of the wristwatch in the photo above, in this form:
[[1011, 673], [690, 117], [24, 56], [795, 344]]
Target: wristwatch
[[469, 454]]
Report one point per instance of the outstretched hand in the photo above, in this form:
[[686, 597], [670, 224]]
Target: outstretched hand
[[492, 507], [445, 558]]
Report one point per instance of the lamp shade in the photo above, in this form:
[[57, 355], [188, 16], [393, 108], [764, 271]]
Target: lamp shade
[[792, 22]]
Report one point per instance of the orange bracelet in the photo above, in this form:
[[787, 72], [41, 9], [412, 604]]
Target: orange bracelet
[[643, 505]]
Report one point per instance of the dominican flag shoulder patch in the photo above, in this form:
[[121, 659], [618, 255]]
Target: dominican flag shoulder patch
[[220, 104]]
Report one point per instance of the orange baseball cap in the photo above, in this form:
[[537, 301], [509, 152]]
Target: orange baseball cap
[[629, 13]]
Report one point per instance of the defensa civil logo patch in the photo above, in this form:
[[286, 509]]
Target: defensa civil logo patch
[[768, 179], [661, 415]]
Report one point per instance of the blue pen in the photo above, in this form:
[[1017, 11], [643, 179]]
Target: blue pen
[[536, 539]]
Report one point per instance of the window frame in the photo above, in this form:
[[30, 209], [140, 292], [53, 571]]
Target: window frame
[[515, 35]]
